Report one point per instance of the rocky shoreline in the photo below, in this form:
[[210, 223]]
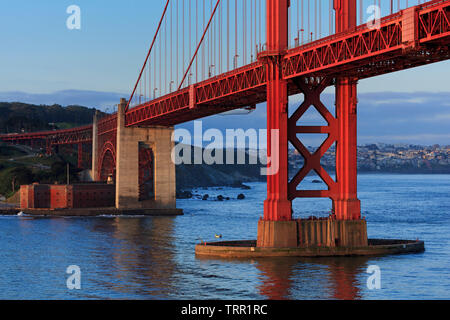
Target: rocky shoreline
[[194, 194]]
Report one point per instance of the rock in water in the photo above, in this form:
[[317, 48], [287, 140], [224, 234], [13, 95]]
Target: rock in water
[[184, 195]]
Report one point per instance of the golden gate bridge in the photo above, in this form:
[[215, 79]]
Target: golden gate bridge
[[212, 56]]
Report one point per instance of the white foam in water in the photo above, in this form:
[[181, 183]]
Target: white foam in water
[[21, 213]]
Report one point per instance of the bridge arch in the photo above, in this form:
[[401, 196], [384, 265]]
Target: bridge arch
[[107, 163]]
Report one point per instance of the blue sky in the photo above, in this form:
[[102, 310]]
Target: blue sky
[[40, 55], [41, 61]]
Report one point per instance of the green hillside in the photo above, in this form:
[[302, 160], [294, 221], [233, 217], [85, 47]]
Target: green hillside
[[16, 117]]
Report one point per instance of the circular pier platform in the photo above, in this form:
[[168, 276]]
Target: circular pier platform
[[248, 249]]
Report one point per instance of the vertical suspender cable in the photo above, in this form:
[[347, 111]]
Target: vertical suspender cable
[[330, 18], [196, 38], [309, 19], [217, 29], [244, 25], [203, 46], [160, 65], [208, 40], [315, 20], [220, 38], [298, 23], [145, 77], [235, 34], [228, 35], [254, 44], [303, 19], [211, 43], [214, 44], [177, 39], [154, 74], [260, 25], [165, 56], [320, 19], [289, 25], [171, 44], [251, 32], [361, 12], [150, 78], [183, 34], [190, 32]]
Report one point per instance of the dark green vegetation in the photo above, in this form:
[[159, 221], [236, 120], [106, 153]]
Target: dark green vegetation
[[16, 117], [8, 151], [20, 167]]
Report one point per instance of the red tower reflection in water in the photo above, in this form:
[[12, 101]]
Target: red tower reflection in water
[[334, 278]]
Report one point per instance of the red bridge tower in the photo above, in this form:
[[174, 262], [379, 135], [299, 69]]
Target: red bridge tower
[[344, 226]]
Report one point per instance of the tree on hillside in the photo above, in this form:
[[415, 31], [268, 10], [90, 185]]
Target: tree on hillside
[[14, 178]]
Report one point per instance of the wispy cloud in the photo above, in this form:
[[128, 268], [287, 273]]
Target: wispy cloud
[[417, 100]]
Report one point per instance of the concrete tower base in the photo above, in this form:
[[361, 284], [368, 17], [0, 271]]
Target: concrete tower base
[[309, 238], [249, 249], [312, 232], [159, 139]]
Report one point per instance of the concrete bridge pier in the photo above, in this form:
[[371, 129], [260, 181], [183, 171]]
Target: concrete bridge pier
[[131, 141]]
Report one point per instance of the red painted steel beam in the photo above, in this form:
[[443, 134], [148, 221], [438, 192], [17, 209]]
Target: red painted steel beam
[[107, 125], [346, 205], [277, 206], [312, 91], [56, 137]]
